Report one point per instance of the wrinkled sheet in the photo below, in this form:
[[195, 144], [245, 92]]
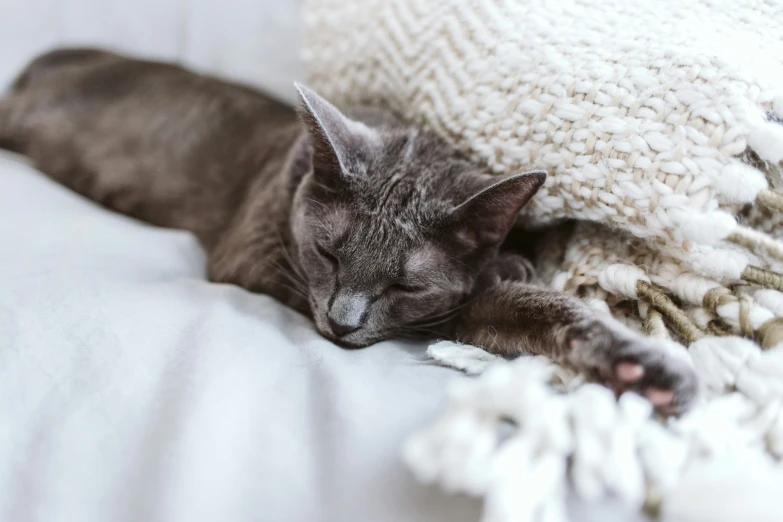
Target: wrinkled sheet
[[132, 389]]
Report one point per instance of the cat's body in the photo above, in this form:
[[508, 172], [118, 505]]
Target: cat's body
[[191, 160], [373, 228]]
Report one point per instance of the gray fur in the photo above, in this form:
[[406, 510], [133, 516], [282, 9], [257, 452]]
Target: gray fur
[[373, 228]]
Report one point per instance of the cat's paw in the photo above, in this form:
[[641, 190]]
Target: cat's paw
[[509, 267], [624, 361]]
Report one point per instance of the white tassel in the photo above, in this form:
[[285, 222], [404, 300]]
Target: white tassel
[[771, 300], [621, 279], [704, 228], [739, 182], [615, 447], [767, 141], [718, 360], [470, 359], [720, 264]]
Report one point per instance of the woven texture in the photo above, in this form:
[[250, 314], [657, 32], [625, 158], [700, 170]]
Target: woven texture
[[661, 126]]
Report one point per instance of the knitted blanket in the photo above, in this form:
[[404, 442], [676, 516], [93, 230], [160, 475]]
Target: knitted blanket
[[661, 126]]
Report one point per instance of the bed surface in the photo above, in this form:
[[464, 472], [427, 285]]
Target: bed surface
[[132, 389]]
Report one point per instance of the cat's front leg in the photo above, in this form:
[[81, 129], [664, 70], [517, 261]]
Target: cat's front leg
[[513, 318]]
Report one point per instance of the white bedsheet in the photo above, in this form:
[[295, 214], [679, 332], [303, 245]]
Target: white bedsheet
[[132, 389]]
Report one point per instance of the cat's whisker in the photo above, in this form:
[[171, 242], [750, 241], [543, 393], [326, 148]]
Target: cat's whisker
[[436, 319], [316, 202], [419, 332], [299, 291], [294, 290], [318, 183], [291, 276], [446, 315], [414, 334], [437, 322], [300, 286], [288, 256]]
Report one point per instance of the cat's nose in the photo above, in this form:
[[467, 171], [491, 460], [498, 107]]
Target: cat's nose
[[347, 313], [340, 329]]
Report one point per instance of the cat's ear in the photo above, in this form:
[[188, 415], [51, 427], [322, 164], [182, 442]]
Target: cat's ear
[[341, 145], [486, 217]]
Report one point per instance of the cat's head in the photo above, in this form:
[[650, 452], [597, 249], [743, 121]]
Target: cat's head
[[391, 225]]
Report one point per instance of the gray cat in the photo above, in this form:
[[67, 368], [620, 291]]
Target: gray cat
[[371, 227]]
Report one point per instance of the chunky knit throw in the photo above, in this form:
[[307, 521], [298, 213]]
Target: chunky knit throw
[[661, 125]]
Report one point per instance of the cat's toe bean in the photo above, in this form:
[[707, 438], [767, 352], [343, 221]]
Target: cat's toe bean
[[628, 372], [669, 383], [626, 361], [660, 398]]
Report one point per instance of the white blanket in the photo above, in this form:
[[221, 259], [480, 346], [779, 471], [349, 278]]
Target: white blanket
[[132, 389]]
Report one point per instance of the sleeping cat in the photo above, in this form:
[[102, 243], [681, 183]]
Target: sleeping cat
[[371, 227]]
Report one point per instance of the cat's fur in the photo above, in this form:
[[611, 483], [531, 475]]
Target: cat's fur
[[373, 228]]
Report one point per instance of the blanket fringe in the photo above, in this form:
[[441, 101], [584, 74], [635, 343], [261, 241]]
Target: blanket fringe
[[756, 242], [771, 200], [762, 277], [656, 297]]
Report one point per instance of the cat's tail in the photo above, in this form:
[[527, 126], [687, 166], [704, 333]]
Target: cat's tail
[[39, 71], [9, 138]]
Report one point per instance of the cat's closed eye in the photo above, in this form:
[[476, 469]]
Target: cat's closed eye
[[406, 288], [327, 256]]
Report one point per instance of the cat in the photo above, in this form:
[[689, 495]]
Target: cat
[[371, 227]]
